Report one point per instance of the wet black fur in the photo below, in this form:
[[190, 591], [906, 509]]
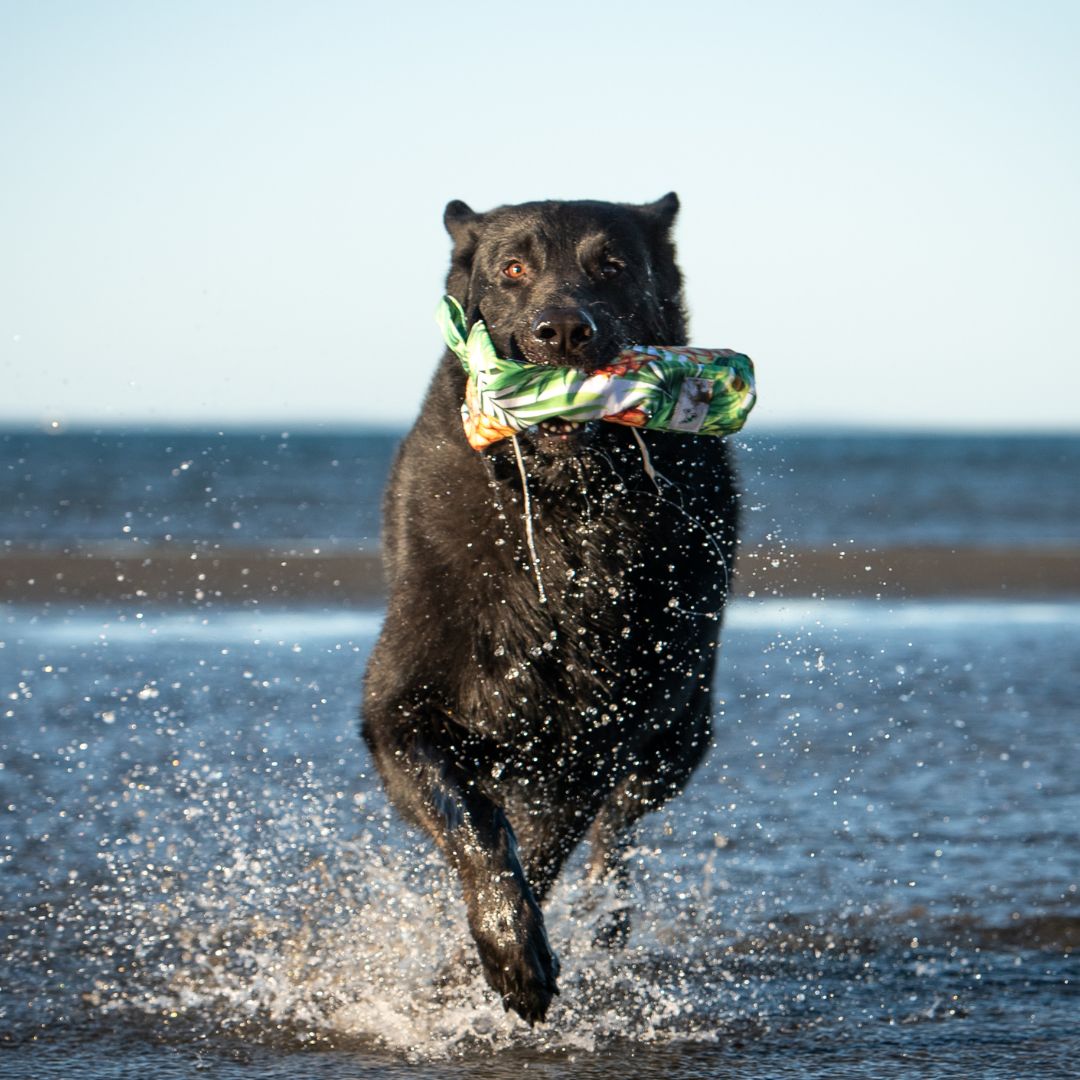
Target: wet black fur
[[510, 729]]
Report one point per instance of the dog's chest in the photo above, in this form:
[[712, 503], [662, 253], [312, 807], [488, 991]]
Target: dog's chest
[[559, 662]]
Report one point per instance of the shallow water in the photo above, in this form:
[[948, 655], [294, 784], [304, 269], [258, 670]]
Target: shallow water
[[875, 873]]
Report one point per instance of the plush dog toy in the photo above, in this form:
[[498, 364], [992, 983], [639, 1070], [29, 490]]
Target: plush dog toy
[[676, 388]]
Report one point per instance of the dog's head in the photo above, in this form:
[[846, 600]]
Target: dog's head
[[568, 283]]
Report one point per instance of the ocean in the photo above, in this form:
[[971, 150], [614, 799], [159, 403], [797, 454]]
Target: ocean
[[273, 489], [875, 873]]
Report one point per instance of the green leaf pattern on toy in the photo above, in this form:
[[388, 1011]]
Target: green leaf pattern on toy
[[665, 388]]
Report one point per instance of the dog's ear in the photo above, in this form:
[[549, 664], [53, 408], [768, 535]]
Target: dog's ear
[[660, 216], [663, 211], [460, 221], [463, 225]]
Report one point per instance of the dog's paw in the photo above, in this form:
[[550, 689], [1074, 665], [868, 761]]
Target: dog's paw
[[518, 961]]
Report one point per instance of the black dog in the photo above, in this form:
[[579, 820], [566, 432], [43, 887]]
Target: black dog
[[511, 708]]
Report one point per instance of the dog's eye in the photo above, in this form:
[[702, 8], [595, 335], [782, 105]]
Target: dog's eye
[[609, 270], [514, 269]]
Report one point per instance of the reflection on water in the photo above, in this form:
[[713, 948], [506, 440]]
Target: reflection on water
[[877, 867]]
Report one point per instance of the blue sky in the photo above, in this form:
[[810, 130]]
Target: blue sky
[[230, 212]]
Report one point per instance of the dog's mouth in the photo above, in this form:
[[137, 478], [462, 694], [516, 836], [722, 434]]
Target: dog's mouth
[[558, 429], [557, 436], [556, 439]]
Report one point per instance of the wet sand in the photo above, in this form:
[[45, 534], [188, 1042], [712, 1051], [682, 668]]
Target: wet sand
[[176, 575]]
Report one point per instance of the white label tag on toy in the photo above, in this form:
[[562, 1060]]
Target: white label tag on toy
[[692, 406]]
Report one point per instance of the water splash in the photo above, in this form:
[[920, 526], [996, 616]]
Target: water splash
[[213, 858]]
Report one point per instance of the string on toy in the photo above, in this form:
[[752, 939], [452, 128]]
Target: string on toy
[[646, 462], [530, 540]]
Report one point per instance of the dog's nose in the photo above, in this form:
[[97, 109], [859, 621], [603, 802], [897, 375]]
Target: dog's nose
[[563, 331]]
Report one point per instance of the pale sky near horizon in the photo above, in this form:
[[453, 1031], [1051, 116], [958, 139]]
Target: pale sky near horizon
[[226, 213]]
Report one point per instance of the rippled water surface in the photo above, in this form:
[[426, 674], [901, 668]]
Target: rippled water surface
[[874, 874], [258, 489]]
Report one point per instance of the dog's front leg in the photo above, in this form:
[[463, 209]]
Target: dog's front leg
[[474, 834], [504, 916]]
